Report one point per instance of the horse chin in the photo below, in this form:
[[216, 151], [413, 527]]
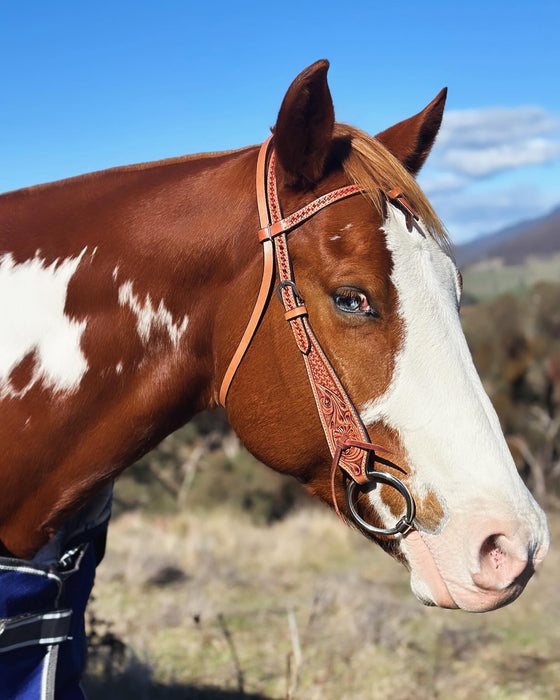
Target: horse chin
[[426, 581]]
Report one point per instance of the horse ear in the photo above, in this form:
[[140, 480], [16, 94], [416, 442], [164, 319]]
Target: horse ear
[[412, 139], [304, 128]]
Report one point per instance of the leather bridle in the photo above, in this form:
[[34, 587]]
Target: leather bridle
[[344, 430]]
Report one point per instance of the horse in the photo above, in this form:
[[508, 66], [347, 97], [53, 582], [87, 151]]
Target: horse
[[135, 297]]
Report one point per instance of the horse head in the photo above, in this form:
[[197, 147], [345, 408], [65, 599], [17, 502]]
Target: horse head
[[382, 294]]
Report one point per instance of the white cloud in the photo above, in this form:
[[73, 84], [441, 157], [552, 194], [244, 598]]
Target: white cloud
[[504, 156], [479, 143], [435, 183], [475, 175], [473, 213], [494, 125]]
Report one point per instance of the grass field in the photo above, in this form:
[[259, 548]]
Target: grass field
[[212, 606]]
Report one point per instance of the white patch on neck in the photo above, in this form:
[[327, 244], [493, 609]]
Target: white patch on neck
[[32, 320], [148, 317], [436, 401]]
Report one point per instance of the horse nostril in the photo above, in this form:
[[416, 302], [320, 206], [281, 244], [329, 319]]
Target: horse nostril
[[492, 552], [502, 560]]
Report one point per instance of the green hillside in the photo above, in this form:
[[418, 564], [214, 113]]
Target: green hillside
[[491, 278]]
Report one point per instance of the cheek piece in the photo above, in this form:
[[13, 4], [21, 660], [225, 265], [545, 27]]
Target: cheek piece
[[344, 430]]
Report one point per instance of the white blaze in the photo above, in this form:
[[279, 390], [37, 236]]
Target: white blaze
[[436, 401], [32, 320]]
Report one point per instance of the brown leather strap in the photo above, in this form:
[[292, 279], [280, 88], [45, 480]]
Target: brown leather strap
[[272, 225], [398, 198], [339, 418], [344, 430], [342, 447], [298, 217], [266, 280], [253, 324], [298, 312]]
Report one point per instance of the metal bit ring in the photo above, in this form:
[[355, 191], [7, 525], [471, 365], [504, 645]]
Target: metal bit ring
[[404, 525]]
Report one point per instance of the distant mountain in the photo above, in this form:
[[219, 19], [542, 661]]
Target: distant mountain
[[536, 238]]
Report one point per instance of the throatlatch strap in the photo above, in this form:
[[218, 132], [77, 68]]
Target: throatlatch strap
[[266, 281]]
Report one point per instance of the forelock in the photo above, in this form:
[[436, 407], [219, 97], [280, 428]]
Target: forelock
[[370, 165]]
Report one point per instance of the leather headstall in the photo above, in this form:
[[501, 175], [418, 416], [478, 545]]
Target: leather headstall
[[344, 430]]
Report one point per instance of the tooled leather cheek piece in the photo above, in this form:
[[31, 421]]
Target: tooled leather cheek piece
[[344, 430]]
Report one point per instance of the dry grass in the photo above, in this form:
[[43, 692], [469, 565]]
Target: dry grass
[[211, 606]]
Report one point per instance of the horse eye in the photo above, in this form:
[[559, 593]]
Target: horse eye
[[353, 301]]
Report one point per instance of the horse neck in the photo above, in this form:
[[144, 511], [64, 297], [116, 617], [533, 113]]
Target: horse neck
[[148, 255]]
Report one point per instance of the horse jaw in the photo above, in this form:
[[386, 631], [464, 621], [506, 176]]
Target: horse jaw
[[492, 534]]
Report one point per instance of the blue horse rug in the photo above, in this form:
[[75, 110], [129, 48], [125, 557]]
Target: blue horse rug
[[42, 607]]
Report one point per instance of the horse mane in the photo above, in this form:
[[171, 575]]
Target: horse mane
[[364, 159], [370, 165]]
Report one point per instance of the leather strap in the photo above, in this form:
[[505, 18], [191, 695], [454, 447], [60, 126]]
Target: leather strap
[[338, 416], [266, 281], [272, 225], [344, 430], [397, 197], [254, 321], [306, 212]]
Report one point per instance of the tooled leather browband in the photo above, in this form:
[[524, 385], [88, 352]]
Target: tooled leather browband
[[344, 430]]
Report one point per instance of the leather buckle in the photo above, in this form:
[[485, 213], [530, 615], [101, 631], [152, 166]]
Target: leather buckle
[[284, 284]]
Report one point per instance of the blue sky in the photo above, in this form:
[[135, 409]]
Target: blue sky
[[85, 86]]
